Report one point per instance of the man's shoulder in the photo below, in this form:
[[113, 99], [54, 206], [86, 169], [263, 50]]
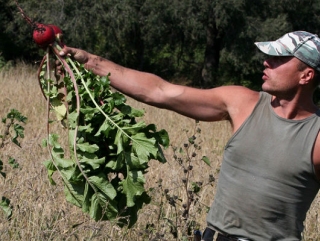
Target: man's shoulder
[[241, 103]]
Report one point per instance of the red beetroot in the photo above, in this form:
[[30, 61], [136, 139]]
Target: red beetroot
[[56, 29], [58, 33], [43, 35]]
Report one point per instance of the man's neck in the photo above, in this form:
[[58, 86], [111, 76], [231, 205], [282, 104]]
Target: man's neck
[[293, 109]]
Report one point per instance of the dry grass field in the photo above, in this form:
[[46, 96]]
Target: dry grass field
[[40, 211]]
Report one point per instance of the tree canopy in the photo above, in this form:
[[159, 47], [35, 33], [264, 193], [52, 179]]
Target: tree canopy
[[203, 43]]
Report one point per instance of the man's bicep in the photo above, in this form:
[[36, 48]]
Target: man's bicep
[[233, 103], [200, 104]]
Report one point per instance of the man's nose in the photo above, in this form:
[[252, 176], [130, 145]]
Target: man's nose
[[267, 63]]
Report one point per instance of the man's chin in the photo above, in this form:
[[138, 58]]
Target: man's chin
[[268, 90], [265, 88]]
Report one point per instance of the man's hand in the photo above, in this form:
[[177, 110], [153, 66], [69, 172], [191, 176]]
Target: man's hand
[[77, 54]]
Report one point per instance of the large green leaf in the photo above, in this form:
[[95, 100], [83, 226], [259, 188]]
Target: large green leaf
[[59, 161], [59, 107], [144, 146], [135, 163], [121, 140], [104, 128], [133, 129], [92, 160], [86, 147], [133, 186], [101, 182], [118, 162], [87, 194], [101, 208], [74, 193], [95, 207]]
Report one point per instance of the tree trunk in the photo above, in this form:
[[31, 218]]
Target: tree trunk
[[211, 55]]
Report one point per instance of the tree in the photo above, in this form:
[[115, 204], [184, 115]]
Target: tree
[[205, 43]]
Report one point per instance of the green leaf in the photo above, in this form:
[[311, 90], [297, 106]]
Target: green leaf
[[86, 147], [88, 129], [5, 206], [160, 157], [14, 114], [1, 168], [195, 187], [95, 207], [74, 193], [134, 129], [50, 169], [44, 143], [53, 141], [92, 160], [13, 163], [60, 161], [69, 173], [88, 192], [132, 112], [133, 186], [89, 112], [120, 140], [101, 182], [101, 208], [144, 146], [206, 160], [133, 162], [19, 132], [59, 107], [117, 163], [118, 98], [163, 138], [73, 119], [104, 128]]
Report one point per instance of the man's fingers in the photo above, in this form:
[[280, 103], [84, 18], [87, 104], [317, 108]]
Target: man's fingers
[[58, 68], [77, 54], [67, 51]]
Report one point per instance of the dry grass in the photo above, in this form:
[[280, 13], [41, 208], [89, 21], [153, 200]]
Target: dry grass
[[40, 210]]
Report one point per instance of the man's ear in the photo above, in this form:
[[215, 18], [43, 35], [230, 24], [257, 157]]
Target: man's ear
[[306, 76]]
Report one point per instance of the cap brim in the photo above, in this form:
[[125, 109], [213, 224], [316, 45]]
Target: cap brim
[[274, 48]]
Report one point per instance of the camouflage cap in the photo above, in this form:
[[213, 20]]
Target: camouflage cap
[[303, 45]]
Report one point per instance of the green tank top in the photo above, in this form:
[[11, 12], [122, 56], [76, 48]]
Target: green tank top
[[267, 180]]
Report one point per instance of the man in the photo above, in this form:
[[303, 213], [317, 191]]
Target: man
[[271, 167]]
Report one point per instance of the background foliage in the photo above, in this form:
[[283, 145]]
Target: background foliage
[[202, 43]]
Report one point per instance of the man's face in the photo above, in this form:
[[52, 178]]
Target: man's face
[[281, 75]]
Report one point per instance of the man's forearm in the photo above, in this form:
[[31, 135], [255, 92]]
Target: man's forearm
[[139, 85]]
